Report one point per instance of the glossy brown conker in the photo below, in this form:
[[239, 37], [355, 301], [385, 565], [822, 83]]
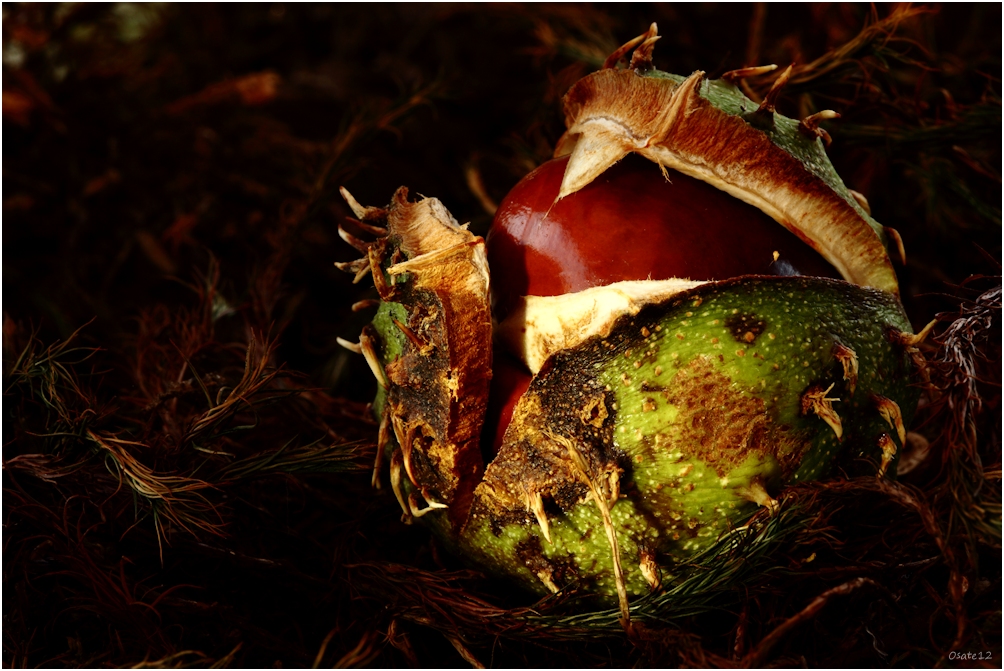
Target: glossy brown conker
[[632, 223]]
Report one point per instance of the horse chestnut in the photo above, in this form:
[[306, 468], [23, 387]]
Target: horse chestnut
[[631, 223], [677, 373]]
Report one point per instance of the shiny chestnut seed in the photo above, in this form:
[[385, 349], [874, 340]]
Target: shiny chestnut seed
[[631, 223]]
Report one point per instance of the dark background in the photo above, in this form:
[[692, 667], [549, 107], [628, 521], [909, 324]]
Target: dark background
[[170, 184]]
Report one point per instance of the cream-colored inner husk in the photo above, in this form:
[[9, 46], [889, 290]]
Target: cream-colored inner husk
[[539, 326]]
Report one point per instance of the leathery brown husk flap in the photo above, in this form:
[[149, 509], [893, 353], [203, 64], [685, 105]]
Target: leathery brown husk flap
[[436, 373], [710, 131]]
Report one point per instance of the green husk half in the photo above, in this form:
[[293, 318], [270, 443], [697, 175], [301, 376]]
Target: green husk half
[[686, 417]]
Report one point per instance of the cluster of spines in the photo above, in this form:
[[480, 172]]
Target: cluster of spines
[[366, 219]]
